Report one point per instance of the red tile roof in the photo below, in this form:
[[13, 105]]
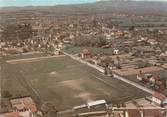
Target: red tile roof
[[134, 113], [22, 103], [152, 112]]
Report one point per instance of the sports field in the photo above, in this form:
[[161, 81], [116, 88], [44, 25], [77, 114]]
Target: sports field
[[66, 83]]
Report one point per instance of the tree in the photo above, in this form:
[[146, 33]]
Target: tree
[[100, 40], [118, 62], [92, 41], [20, 31], [24, 31], [10, 32]]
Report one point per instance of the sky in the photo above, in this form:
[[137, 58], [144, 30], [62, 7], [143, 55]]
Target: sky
[[7, 3]]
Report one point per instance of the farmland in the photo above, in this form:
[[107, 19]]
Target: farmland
[[64, 82]]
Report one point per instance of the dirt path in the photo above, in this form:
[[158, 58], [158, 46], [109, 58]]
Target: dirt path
[[28, 60]]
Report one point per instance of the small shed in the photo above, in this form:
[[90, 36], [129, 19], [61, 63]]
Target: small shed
[[96, 103], [163, 56]]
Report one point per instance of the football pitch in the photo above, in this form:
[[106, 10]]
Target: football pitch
[[65, 83]]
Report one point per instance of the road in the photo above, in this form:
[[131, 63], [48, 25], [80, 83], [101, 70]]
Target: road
[[31, 59], [134, 84]]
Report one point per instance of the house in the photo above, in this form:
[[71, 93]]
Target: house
[[164, 104], [56, 52], [163, 56], [152, 41], [71, 25], [61, 45], [158, 98], [108, 36], [25, 106], [22, 107], [86, 53], [2, 54], [119, 33], [140, 76], [116, 51], [71, 36]]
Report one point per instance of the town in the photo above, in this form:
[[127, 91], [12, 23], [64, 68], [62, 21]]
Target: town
[[108, 64]]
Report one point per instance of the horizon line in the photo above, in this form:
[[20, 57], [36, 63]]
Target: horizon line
[[73, 3]]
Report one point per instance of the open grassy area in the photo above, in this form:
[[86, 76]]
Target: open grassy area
[[10, 80], [94, 50], [66, 83]]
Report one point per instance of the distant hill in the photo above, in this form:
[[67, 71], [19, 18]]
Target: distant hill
[[130, 7], [111, 6]]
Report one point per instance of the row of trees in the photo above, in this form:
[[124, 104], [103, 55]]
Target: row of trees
[[17, 31]]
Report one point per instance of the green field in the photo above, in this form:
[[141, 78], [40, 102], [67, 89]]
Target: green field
[[94, 50], [65, 83]]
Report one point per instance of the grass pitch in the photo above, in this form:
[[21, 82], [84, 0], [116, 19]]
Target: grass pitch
[[67, 83]]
